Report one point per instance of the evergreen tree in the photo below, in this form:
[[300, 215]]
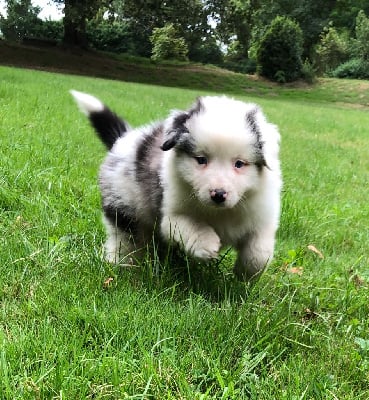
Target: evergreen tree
[[280, 51]]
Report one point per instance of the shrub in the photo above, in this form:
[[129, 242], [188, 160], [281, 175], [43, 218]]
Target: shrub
[[48, 29], [110, 36], [236, 61], [280, 51], [355, 68], [207, 52], [308, 72], [246, 66], [167, 45], [332, 50]]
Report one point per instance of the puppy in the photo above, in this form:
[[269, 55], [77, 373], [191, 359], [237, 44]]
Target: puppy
[[202, 179]]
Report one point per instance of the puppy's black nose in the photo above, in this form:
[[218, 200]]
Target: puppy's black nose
[[218, 195]]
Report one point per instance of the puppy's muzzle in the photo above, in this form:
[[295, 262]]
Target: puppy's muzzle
[[218, 195]]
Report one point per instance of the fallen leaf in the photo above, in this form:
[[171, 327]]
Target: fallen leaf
[[20, 222], [296, 270], [107, 282], [316, 251], [358, 280]]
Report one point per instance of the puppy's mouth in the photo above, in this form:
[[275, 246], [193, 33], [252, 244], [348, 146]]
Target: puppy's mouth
[[222, 207]]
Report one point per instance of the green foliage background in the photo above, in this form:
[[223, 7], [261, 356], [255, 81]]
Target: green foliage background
[[225, 33]]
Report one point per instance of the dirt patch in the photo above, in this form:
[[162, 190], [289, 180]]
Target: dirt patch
[[353, 106]]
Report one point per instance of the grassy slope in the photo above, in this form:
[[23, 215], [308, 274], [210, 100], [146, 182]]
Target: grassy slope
[[302, 331], [190, 76]]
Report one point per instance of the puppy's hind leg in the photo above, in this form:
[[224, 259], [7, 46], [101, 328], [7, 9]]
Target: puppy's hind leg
[[254, 253]]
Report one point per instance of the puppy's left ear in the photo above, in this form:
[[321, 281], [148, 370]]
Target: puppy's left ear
[[253, 124]]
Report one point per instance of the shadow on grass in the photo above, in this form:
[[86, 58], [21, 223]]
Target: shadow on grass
[[181, 276]]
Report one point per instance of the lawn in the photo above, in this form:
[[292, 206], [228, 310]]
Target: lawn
[[75, 327]]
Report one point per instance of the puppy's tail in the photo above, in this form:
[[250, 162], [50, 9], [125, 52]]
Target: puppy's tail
[[107, 124]]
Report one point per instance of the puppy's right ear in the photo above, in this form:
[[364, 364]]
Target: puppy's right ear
[[172, 139], [178, 134], [175, 130]]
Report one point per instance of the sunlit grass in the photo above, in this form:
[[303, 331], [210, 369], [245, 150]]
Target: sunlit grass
[[73, 326]]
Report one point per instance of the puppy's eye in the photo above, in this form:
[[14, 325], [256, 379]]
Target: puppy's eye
[[240, 164], [201, 160]]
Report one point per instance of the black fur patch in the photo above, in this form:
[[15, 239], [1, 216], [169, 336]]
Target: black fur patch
[[108, 126], [146, 146], [181, 140], [148, 161], [172, 138], [259, 144], [196, 108], [178, 135], [120, 219], [186, 145]]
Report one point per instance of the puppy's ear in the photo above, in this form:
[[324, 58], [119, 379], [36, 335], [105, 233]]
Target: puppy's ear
[[172, 139], [196, 108], [252, 122], [177, 132]]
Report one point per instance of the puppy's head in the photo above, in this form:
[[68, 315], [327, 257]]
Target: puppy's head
[[221, 149]]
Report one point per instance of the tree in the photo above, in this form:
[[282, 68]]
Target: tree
[[76, 13], [206, 51], [167, 45], [362, 36], [21, 19], [311, 15], [234, 24], [280, 51], [188, 16], [344, 13]]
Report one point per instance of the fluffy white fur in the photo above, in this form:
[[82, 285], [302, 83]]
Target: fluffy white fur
[[204, 178], [87, 104]]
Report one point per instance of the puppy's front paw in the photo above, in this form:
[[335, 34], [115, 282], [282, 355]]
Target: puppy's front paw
[[204, 245]]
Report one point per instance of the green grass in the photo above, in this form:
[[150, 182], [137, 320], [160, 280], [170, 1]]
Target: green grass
[[66, 333]]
